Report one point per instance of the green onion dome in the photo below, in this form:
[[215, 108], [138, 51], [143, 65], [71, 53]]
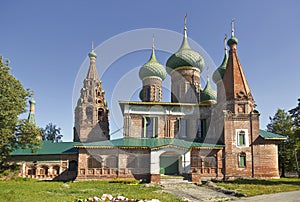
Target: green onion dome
[[208, 93], [152, 68], [185, 57], [232, 40], [92, 54], [220, 71], [32, 101]]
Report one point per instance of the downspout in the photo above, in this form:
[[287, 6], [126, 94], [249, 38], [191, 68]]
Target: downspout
[[252, 152]]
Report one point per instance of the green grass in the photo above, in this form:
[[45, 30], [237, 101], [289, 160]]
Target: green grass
[[23, 189], [257, 187]]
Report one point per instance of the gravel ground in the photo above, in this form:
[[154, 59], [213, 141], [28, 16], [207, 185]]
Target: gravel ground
[[192, 192]]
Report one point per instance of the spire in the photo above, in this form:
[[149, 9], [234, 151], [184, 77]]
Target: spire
[[31, 116], [153, 57], [92, 72], [185, 35], [232, 42], [232, 27], [92, 54], [185, 43], [234, 80]]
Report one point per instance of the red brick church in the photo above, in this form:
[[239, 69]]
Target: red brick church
[[200, 134]]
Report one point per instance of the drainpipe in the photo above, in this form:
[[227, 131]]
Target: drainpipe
[[252, 153]]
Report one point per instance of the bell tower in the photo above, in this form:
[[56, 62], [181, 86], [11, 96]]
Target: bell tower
[[91, 112], [237, 92], [241, 121]]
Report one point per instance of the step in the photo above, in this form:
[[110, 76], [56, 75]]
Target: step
[[173, 180]]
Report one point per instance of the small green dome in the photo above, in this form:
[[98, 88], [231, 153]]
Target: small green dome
[[220, 71], [92, 54], [208, 93], [152, 68], [32, 101], [185, 56], [232, 40]]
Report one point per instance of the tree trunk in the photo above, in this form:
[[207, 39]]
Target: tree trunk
[[297, 164], [282, 170]]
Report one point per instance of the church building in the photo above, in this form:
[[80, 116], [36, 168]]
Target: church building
[[201, 133]]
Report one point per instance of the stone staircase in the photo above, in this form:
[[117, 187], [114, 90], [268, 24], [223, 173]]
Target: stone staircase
[[169, 179]]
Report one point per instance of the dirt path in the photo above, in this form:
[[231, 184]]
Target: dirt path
[[191, 192]]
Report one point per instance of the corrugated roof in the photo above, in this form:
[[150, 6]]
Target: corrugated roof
[[48, 148], [272, 136], [150, 143]]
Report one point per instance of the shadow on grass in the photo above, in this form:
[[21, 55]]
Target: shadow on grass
[[285, 181]]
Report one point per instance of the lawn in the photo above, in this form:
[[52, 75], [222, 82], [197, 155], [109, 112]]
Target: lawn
[[257, 187], [51, 191]]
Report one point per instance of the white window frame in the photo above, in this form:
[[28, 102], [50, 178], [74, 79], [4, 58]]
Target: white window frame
[[237, 132]]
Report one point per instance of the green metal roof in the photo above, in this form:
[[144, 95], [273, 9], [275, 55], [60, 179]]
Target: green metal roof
[[48, 148], [150, 143], [271, 136], [32, 101]]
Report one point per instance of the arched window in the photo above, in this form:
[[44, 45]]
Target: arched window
[[73, 165], [44, 170], [89, 113], [150, 127], [31, 170], [242, 160], [94, 162], [241, 138], [100, 114], [156, 94]]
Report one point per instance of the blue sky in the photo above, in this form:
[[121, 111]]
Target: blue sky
[[47, 43]]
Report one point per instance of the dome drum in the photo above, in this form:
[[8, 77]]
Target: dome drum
[[187, 73], [152, 81]]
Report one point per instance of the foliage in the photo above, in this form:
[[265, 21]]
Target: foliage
[[51, 133], [24, 189], [282, 124], [295, 114], [253, 187], [14, 133]]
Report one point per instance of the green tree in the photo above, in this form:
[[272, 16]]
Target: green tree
[[295, 114], [282, 124], [14, 133], [51, 133]]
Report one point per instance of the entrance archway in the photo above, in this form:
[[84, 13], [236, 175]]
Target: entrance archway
[[169, 163]]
